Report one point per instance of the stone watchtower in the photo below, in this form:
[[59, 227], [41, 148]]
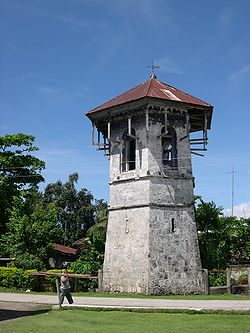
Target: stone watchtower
[[152, 244]]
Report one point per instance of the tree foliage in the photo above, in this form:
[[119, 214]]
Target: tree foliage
[[19, 170], [30, 220], [222, 240], [88, 263], [30, 234], [75, 208], [97, 232]]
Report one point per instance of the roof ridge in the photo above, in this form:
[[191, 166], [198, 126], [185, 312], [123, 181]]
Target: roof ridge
[[149, 85]]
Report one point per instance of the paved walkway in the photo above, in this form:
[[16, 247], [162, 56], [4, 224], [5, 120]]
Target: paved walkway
[[132, 303]]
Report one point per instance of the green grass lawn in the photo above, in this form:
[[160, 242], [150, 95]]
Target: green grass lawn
[[77, 321]]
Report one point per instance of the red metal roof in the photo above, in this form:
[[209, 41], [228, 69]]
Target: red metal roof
[[65, 249], [152, 88]]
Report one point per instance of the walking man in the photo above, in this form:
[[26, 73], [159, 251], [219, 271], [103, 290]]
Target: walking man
[[65, 288]]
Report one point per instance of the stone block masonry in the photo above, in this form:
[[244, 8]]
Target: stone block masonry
[[152, 244]]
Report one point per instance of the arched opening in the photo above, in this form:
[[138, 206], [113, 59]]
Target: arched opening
[[128, 151], [169, 149]]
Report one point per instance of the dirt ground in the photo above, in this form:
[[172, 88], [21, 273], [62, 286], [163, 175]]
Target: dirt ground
[[17, 310]]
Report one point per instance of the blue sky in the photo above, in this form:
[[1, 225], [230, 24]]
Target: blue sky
[[61, 58]]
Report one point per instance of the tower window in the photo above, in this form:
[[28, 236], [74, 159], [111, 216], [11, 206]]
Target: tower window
[[128, 151], [126, 227], [172, 225], [169, 149]]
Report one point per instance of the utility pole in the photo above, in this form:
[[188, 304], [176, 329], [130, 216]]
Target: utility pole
[[232, 192]]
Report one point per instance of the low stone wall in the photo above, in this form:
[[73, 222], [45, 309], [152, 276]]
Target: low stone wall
[[218, 290], [239, 289]]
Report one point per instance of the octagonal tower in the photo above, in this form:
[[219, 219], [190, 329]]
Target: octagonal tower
[[152, 244]]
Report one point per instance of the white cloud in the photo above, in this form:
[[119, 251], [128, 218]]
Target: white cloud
[[34, 9], [75, 22], [155, 14], [168, 65], [3, 128], [61, 92], [50, 90], [59, 152], [242, 210], [226, 17], [238, 74], [61, 162]]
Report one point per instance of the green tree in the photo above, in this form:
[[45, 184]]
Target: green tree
[[208, 224], [222, 240], [88, 263], [30, 235], [234, 247], [97, 232], [75, 208], [207, 216], [94, 246], [19, 170]]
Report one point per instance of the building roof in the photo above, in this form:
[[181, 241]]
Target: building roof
[[65, 249], [155, 89], [79, 242]]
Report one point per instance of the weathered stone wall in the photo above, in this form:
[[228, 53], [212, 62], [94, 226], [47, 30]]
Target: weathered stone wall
[[171, 191], [148, 149], [130, 193], [174, 261], [151, 190], [144, 252], [143, 237], [126, 255]]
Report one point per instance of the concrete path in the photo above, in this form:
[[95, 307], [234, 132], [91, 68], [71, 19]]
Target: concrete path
[[132, 303]]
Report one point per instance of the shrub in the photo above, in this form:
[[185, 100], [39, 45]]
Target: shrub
[[89, 263], [27, 261], [17, 278], [217, 278], [81, 266]]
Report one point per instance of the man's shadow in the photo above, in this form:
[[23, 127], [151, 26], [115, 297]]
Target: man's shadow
[[8, 314]]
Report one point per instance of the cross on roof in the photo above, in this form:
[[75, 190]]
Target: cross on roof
[[152, 68]]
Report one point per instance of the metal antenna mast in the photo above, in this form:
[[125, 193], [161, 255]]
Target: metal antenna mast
[[232, 192]]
